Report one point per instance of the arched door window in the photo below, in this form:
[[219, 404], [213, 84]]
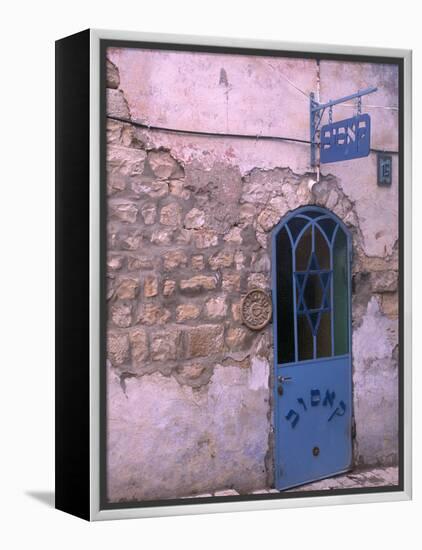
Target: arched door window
[[312, 278]]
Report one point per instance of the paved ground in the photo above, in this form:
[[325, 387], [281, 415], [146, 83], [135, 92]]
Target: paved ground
[[374, 477]]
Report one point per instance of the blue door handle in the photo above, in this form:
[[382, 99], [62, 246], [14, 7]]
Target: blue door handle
[[282, 379]]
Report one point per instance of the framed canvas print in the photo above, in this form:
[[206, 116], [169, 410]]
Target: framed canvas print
[[233, 275]]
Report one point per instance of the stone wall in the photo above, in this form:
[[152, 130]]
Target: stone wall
[[189, 233]]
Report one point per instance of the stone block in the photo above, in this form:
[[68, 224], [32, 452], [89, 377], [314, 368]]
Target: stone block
[[127, 289], [131, 241], [234, 235], [384, 281], [168, 287], [236, 337], [117, 348], [262, 239], [198, 262], [182, 236], [205, 238], [162, 236], [112, 75], [110, 285], [194, 219], [115, 184], [198, 282], [390, 305], [123, 164], [165, 344], [119, 133], [135, 263], [258, 280], [224, 258], [191, 372], [261, 262], [231, 282], [177, 188], [125, 212], [203, 340], [121, 314], [239, 260], [164, 166], [149, 213], [260, 186], [236, 311], [216, 307], [150, 286], [187, 312], [174, 259], [170, 215], [152, 314], [151, 189], [116, 104], [114, 263], [247, 213], [138, 346]]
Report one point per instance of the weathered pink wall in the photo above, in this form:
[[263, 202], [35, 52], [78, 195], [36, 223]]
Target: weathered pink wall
[[179, 264]]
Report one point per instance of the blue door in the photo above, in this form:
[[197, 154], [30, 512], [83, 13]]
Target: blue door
[[312, 347]]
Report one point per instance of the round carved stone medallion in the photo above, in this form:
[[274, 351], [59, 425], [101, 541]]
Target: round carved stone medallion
[[256, 309]]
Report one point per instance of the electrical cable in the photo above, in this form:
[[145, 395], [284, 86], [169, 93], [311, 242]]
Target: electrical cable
[[256, 137], [343, 104], [204, 133], [289, 81]]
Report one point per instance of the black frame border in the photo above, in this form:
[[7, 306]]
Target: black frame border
[[72, 222]]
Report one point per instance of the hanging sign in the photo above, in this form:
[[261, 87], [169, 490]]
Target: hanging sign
[[346, 139]]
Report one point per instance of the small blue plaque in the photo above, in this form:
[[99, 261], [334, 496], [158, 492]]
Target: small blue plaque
[[385, 169], [346, 139]]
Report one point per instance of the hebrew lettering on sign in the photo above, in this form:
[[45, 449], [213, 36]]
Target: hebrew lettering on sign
[[339, 411], [346, 139], [302, 402], [329, 398], [315, 397], [293, 417], [315, 400]]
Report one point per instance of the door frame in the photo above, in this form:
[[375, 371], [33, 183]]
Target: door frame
[[283, 221]]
